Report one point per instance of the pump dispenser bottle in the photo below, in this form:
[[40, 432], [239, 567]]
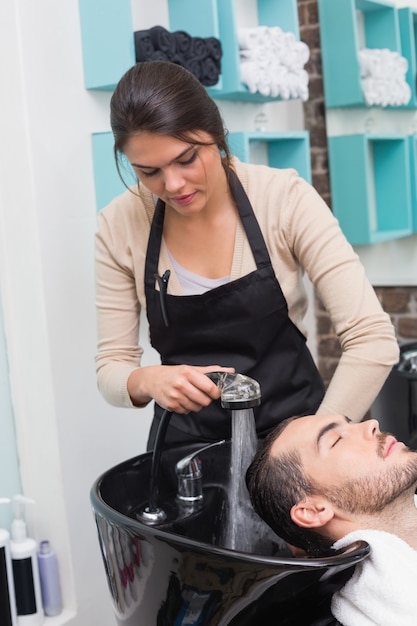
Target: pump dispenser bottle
[[7, 596], [25, 569]]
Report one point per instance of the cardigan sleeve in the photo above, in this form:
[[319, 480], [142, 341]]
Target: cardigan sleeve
[[118, 311]]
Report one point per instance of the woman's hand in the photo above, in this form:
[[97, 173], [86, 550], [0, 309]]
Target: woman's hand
[[178, 388]]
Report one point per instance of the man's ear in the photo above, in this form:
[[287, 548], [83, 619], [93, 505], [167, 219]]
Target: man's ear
[[312, 512]]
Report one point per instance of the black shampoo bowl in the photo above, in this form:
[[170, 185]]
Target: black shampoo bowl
[[178, 573]]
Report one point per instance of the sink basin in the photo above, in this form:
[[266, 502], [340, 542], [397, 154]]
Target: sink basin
[[181, 572]]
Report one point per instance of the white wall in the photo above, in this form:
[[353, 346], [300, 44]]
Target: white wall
[[67, 435]]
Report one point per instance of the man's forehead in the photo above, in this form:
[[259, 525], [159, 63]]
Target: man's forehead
[[301, 431]]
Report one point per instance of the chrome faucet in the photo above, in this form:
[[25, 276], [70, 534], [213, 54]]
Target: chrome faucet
[[188, 470]]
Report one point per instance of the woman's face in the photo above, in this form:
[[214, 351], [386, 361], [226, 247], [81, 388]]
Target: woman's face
[[187, 177]]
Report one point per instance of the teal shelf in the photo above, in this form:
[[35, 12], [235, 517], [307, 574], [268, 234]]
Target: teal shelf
[[283, 14], [108, 40], [371, 186], [340, 35], [413, 169], [282, 150], [107, 181], [408, 32]]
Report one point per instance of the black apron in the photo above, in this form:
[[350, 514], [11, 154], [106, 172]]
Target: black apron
[[243, 324]]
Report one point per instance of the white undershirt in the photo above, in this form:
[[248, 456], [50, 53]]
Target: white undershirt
[[193, 284]]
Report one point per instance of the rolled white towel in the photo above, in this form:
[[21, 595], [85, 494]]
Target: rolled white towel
[[302, 52], [381, 63], [249, 73], [261, 55], [294, 55], [252, 37], [272, 62], [264, 86], [385, 92], [302, 83], [401, 93]]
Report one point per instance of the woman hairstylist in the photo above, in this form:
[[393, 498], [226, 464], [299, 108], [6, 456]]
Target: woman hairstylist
[[214, 250]]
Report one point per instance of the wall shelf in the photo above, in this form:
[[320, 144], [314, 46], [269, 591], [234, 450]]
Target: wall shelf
[[290, 149], [65, 617], [108, 41], [345, 27], [283, 14], [371, 186], [408, 31], [413, 170]]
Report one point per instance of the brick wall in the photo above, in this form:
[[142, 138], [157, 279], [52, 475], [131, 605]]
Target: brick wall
[[399, 302]]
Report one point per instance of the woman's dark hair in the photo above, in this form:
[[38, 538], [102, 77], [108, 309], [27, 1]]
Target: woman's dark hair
[[275, 484], [166, 99]]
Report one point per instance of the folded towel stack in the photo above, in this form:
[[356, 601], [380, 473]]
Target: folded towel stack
[[199, 55], [272, 62], [383, 77]]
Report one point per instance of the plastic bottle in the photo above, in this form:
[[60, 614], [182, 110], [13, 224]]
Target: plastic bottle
[[25, 569], [49, 579], [7, 596]]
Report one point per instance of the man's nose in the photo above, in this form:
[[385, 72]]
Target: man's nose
[[370, 428]]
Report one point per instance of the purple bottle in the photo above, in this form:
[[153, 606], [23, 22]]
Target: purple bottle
[[49, 579]]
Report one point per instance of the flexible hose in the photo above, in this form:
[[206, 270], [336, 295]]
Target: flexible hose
[[156, 460]]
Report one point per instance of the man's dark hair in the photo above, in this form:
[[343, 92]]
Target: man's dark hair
[[275, 485]]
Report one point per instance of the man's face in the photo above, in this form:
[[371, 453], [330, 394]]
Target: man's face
[[355, 466]]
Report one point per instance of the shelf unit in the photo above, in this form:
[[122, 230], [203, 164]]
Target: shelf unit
[[283, 13], [408, 32], [371, 186], [108, 42], [65, 617], [341, 33], [290, 149], [413, 170]]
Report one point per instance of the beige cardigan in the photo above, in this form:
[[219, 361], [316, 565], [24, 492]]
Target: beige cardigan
[[301, 234]]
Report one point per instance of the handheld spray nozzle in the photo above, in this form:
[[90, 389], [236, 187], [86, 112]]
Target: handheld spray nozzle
[[238, 391], [18, 527]]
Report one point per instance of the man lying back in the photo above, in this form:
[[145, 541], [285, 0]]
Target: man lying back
[[321, 481]]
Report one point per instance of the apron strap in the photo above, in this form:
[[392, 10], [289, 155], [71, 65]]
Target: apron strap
[[249, 221], [154, 245]]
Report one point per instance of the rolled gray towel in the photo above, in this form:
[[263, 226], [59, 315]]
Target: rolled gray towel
[[182, 42], [143, 45], [163, 40]]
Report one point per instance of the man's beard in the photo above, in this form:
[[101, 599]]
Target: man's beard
[[372, 493]]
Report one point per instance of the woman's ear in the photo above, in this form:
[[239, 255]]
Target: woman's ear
[[312, 512]]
